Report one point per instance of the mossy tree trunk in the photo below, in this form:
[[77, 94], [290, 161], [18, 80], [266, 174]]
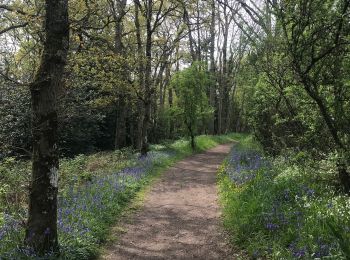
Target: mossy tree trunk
[[41, 233]]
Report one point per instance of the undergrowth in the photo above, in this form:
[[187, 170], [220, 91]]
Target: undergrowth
[[94, 191], [283, 208]]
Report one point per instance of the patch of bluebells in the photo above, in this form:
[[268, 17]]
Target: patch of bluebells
[[79, 203], [286, 209], [322, 249], [277, 219], [280, 218], [27, 253], [297, 252], [244, 164], [9, 224]]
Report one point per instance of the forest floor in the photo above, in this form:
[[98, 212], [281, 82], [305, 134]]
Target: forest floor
[[180, 216]]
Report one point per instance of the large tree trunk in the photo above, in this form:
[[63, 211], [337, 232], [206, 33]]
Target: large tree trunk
[[41, 233]]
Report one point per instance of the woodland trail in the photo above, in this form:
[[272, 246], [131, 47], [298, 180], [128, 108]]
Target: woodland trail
[[180, 217]]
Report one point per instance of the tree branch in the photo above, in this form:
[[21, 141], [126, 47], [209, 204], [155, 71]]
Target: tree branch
[[13, 27]]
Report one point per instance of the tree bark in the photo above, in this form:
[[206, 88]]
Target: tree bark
[[224, 75], [171, 123], [140, 75], [190, 36], [147, 86], [199, 45], [120, 132], [220, 100], [212, 90], [190, 130], [41, 232], [118, 9]]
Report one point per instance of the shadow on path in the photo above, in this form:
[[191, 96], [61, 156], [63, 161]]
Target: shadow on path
[[180, 218]]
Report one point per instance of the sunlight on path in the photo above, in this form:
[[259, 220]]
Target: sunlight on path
[[180, 218]]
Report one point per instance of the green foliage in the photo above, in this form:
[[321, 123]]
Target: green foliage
[[298, 76], [87, 182], [15, 120], [288, 210], [192, 85], [14, 180]]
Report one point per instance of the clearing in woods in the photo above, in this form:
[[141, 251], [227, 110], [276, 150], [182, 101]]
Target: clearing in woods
[[180, 217]]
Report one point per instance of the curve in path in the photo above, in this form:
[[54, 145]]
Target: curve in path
[[180, 218]]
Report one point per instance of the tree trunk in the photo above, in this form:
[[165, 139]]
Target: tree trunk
[[199, 45], [193, 144], [225, 87], [120, 132], [147, 85], [212, 90], [219, 101], [190, 36], [140, 76], [41, 232], [230, 114], [171, 123], [165, 84], [161, 89], [138, 137], [190, 130], [344, 176]]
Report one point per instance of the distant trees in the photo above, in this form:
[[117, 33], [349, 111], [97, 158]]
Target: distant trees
[[41, 233], [122, 58]]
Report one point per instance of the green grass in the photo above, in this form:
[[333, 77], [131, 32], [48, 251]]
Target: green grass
[[88, 224], [289, 210], [203, 142]]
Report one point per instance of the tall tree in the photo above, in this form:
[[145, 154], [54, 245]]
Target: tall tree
[[41, 233], [212, 64], [118, 9]]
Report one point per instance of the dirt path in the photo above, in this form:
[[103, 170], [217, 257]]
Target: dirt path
[[180, 218]]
